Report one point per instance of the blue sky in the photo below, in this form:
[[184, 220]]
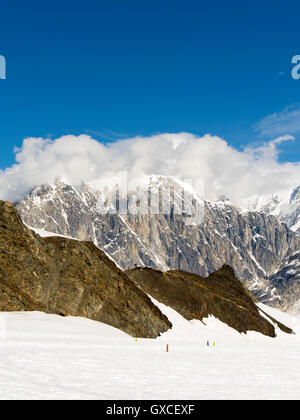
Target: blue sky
[[120, 68]]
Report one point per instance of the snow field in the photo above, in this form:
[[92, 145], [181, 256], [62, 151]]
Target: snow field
[[51, 357]]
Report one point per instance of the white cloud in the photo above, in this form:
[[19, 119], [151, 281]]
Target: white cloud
[[278, 124], [225, 170], [269, 150]]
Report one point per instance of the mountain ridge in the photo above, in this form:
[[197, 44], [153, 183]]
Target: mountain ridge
[[220, 295], [253, 243], [70, 278], [285, 206], [73, 278]]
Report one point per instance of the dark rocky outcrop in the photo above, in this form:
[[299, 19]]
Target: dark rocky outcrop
[[68, 277], [221, 294]]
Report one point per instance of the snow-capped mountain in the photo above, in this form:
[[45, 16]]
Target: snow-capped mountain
[[285, 206], [284, 284], [253, 243]]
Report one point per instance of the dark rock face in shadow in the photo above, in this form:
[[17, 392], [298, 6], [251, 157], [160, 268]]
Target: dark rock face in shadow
[[68, 277], [221, 294]]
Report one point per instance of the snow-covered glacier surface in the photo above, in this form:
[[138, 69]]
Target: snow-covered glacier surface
[[50, 357]]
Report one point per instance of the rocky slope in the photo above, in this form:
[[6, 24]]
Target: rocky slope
[[68, 277], [253, 243], [221, 295]]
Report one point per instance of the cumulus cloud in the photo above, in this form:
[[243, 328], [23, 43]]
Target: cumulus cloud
[[81, 159]]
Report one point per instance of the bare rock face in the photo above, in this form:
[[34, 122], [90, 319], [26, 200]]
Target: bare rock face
[[68, 277], [221, 294], [253, 243], [72, 278], [285, 206], [283, 287]]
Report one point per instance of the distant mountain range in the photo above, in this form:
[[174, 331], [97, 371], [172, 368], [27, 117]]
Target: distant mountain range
[[285, 206], [258, 239], [74, 278]]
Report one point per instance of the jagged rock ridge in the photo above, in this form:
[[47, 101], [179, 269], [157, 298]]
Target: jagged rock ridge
[[68, 277], [253, 243], [221, 295]]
